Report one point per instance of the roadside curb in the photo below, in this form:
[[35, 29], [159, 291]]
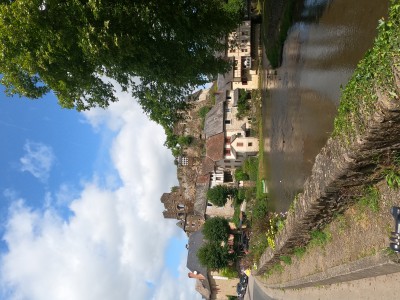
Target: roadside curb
[[372, 266]]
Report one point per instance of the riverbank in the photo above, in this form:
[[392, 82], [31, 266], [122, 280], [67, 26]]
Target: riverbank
[[344, 211]]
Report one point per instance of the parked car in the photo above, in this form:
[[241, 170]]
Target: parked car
[[241, 290], [243, 279]]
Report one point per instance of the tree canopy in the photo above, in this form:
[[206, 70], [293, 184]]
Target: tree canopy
[[213, 256], [71, 46], [216, 229], [218, 194]]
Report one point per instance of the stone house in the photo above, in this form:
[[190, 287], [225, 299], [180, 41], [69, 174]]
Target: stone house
[[244, 74]]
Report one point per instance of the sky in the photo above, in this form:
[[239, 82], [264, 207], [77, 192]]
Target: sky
[[80, 210]]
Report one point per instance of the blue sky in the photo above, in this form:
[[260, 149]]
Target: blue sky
[[80, 215]]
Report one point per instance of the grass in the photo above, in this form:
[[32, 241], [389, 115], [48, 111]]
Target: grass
[[276, 268], [370, 199], [319, 238], [392, 177], [286, 259], [229, 272], [373, 74], [299, 252]]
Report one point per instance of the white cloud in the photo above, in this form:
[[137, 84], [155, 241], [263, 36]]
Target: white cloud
[[115, 241], [38, 160]]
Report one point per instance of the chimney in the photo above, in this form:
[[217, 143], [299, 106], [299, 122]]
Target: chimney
[[196, 275]]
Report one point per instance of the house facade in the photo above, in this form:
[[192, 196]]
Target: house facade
[[244, 74]]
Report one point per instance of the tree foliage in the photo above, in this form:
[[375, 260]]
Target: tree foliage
[[158, 50], [218, 194], [213, 256], [216, 229], [241, 175]]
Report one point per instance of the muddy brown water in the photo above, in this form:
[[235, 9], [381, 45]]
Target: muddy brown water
[[320, 54]]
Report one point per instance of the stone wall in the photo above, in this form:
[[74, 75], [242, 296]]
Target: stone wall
[[340, 170]]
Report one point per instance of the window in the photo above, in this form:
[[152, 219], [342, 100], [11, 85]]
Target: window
[[228, 166], [180, 206], [240, 144], [227, 121], [227, 140], [227, 152], [227, 110], [244, 50], [227, 161], [250, 144]]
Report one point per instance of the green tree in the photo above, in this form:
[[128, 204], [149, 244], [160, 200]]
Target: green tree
[[159, 50], [216, 229], [213, 256], [185, 140], [241, 175], [218, 194]]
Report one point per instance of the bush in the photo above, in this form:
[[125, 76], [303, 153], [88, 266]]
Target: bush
[[216, 229], [218, 194], [243, 104], [213, 256], [241, 175], [185, 140], [250, 167]]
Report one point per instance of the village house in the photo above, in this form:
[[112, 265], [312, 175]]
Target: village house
[[244, 73]]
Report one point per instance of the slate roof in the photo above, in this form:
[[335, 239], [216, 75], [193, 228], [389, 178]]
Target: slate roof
[[196, 240], [194, 96], [224, 81], [235, 97], [200, 203], [214, 122]]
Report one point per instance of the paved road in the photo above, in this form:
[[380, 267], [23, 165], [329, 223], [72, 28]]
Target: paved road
[[381, 287]]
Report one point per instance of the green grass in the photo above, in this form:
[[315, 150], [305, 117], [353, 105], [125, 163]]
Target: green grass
[[370, 199], [319, 238], [299, 252], [276, 268], [286, 259], [373, 72], [229, 272], [392, 177]]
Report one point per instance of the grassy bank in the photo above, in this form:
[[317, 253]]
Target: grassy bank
[[277, 18], [373, 75]]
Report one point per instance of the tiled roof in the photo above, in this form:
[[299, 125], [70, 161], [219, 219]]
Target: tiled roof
[[215, 147], [204, 179], [207, 166]]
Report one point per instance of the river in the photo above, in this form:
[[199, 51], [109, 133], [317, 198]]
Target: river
[[321, 52]]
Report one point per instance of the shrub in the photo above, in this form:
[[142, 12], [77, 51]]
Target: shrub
[[213, 256], [218, 194], [216, 229], [241, 175]]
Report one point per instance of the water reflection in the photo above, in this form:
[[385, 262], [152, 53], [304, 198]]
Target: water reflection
[[319, 56]]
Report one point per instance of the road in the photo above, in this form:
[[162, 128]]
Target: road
[[381, 287]]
